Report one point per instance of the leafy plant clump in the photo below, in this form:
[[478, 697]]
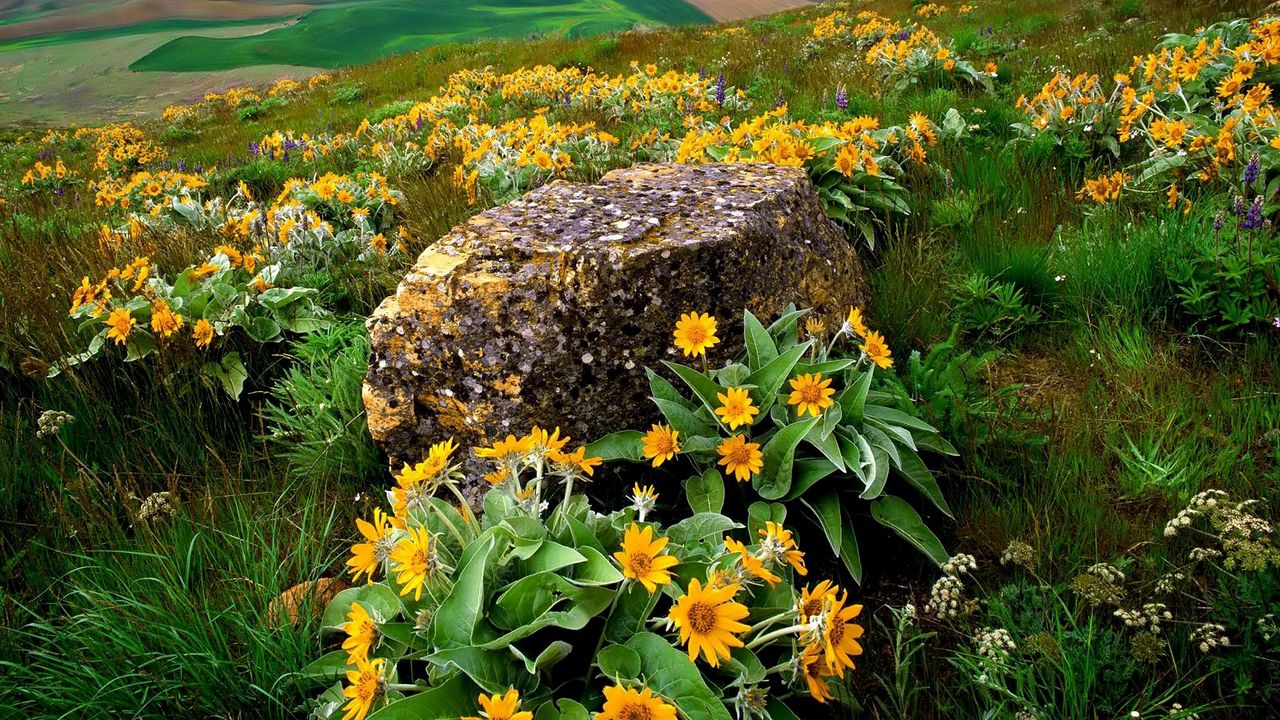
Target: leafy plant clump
[[799, 421], [542, 603]]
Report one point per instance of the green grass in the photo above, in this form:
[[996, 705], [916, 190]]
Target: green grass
[[364, 32]]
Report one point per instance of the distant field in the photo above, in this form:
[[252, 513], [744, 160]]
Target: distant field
[[355, 33]]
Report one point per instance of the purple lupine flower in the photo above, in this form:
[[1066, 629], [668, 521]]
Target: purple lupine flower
[[720, 86], [1253, 220], [782, 100], [1251, 170], [198, 170], [1219, 220], [182, 166], [904, 34], [1238, 208], [702, 72], [842, 98], [254, 148]]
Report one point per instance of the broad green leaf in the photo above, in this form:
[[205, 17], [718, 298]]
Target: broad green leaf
[[552, 654], [683, 419], [329, 667], [455, 621], [897, 417], [808, 471], [769, 379], [705, 492], [826, 507], [552, 556], [663, 390], [827, 444], [779, 711], [760, 513], [745, 663], [914, 471], [897, 515], [699, 527], [849, 554], [378, 599], [630, 613], [493, 670], [703, 387], [545, 600], [880, 441], [672, 675], [878, 474], [760, 347], [453, 699], [597, 570], [774, 480], [853, 400], [619, 662], [732, 375], [230, 373], [624, 445]]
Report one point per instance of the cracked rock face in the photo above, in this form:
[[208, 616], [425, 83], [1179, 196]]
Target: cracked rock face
[[546, 310]]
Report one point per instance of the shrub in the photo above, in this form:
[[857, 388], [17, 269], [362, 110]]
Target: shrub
[[992, 310]]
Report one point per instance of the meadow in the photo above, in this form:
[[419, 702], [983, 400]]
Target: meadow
[[1065, 213]]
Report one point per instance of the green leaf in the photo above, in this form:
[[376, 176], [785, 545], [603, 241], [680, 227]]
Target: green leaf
[[703, 387], [760, 513], [597, 570], [618, 662], [454, 699], [630, 613], [545, 600], [826, 507], [671, 674], [826, 443], [878, 474], [550, 556], [769, 379], [230, 373], [915, 472], [849, 554], [853, 400], [779, 711], [624, 445], [699, 527], [897, 515], [774, 480], [743, 662], [492, 670], [808, 471], [663, 390], [705, 492], [329, 667], [897, 417], [683, 419], [455, 621], [554, 653], [263, 329], [567, 710], [760, 347], [379, 599]]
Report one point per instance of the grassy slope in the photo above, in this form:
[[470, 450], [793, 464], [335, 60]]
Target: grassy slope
[[364, 32], [1076, 497]]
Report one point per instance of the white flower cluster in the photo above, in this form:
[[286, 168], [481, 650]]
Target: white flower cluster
[[1018, 553], [1209, 636], [960, 564], [1107, 572], [51, 421], [1170, 582], [994, 643], [1268, 626], [1177, 711], [1148, 618], [946, 599], [1200, 504], [156, 506]]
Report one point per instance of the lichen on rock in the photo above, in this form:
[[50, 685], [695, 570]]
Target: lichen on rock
[[546, 310]]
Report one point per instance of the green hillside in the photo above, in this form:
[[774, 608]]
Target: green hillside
[[363, 32]]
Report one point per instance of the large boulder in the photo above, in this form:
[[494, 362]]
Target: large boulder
[[546, 310]]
